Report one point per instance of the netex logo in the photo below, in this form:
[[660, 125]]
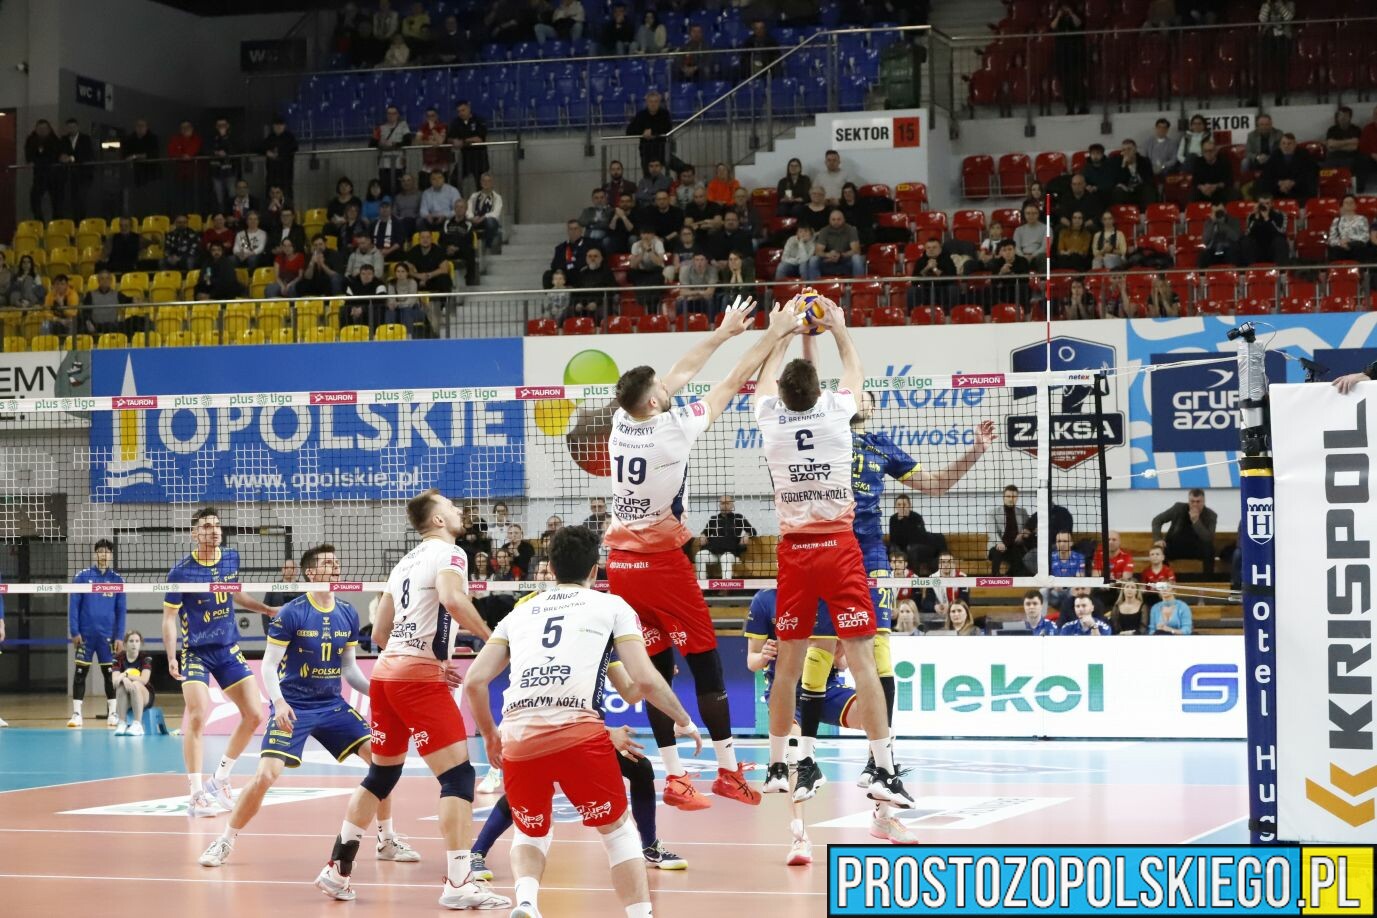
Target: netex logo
[[334, 398], [1352, 786], [126, 402], [1209, 688]]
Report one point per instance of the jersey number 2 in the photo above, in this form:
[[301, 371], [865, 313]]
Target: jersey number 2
[[553, 632], [803, 439]]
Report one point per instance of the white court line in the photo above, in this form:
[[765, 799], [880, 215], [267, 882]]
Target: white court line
[[1219, 828], [144, 774], [218, 881]]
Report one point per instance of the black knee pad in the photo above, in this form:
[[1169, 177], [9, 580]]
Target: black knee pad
[[664, 664], [381, 779], [637, 771], [458, 782], [707, 672]]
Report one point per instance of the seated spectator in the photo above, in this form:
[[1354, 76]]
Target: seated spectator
[[1169, 615], [240, 205], [1064, 561], [1348, 233], [350, 228], [324, 272], [364, 253], [1263, 143], [647, 267], [736, 279], [1108, 247], [909, 533], [833, 177], [1114, 300], [906, 618], [416, 29], [1157, 568], [932, 264], [1030, 238], [663, 219], [387, 234], [618, 184], [218, 280], [1037, 195], [652, 183], [1341, 142], [559, 299], [25, 289], [1077, 304], [1010, 272], [722, 188], [741, 206], [372, 202], [521, 551], [988, 250], [456, 238], [1101, 173], [1222, 239], [691, 63], [1192, 142], [1073, 245], [451, 45], [793, 189], [217, 231], [836, 250], [622, 230], [1120, 561], [181, 246], [398, 53], [617, 33], [1086, 621], [598, 517], [697, 286], [1212, 177], [798, 251], [596, 218], [1133, 179], [727, 240], [103, 307], [509, 20], [363, 306], [344, 196], [290, 264], [251, 244], [1291, 173], [1161, 150], [273, 207], [725, 537], [286, 228], [651, 37], [1008, 535], [1128, 614], [570, 255], [1187, 530], [365, 50], [406, 206], [679, 252], [898, 568], [857, 214], [431, 268], [958, 619], [594, 284], [132, 674], [1162, 301], [405, 309], [485, 213], [1034, 615], [1080, 199], [1265, 238], [386, 21], [935, 601], [816, 212], [701, 215], [682, 191], [121, 252], [437, 201]]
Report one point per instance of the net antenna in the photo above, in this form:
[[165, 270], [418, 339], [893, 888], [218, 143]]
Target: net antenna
[[1259, 565]]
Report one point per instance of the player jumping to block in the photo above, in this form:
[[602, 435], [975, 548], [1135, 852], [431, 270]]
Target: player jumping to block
[[210, 649], [649, 449], [559, 644], [311, 645], [95, 622], [807, 440], [410, 698]]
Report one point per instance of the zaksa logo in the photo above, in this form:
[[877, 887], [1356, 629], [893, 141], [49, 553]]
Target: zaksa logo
[[1209, 688], [591, 811], [1075, 432], [526, 819]]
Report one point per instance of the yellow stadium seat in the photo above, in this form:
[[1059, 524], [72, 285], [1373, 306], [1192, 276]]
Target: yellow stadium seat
[[258, 284], [315, 215], [10, 320], [155, 224], [281, 336], [273, 316], [390, 332], [45, 343], [238, 318], [15, 344], [208, 339], [168, 320], [354, 333], [27, 245], [189, 283], [164, 295], [78, 343], [309, 312], [312, 230], [32, 323], [33, 229], [146, 339], [171, 279], [139, 312], [62, 260], [111, 340], [205, 318], [87, 241], [151, 253], [242, 275], [88, 259], [314, 334], [61, 228], [94, 225], [134, 282], [40, 259], [195, 223], [248, 336], [56, 241], [332, 243], [179, 339]]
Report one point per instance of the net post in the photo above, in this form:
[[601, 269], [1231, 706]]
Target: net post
[[1044, 467], [1100, 391], [1259, 582]]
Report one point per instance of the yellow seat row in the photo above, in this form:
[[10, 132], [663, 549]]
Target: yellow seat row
[[32, 234], [203, 337]]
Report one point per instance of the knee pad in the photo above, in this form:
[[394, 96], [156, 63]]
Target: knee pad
[[707, 672], [664, 665], [458, 782], [622, 843], [817, 666], [884, 663], [381, 779], [539, 842]]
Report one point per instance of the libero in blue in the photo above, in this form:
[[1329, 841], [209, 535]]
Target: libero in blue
[[97, 618]]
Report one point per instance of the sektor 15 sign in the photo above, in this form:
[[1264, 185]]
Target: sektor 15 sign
[[876, 133]]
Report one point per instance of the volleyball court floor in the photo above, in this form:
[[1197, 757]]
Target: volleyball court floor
[[90, 817]]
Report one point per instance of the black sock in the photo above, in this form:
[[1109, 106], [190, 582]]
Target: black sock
[[660, 723], [344, 855], [887, 683], [640, 777], [109, 682], [810, 710], [78, 683]]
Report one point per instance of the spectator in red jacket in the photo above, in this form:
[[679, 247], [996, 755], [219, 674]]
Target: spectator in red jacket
[[184, 147], [1120, 561]]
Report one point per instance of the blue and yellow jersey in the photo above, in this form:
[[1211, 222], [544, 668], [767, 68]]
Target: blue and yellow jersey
[[873, 457], [207, 618], [97, 614], [760, 623], [316, 638]]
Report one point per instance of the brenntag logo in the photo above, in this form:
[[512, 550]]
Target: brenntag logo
[[1209, 688]]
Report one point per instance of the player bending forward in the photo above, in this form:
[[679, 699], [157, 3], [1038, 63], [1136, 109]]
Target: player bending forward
[[552, 732], [410, 697], [807, 439], [311, 644], [649, 448]]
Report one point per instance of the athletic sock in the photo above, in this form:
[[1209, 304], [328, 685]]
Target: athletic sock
[[348, 832], [457, 866], [883, 753], [882, 810], [777, 748], [385, 829], [810, 711], [76, 708], [805, 746], [222, 771], [229, 835], [197, 783], [670, 756], [791, 755], [640, 910], [796, 828], [887, 683], [726, 754], [109, 706], [527, 890]]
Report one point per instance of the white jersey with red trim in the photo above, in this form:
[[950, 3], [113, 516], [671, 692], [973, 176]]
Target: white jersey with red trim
[[809, 456], [560, 643], [650, 477], [422, 629]]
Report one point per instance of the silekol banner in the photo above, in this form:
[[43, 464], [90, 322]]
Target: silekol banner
[[1325, 445]]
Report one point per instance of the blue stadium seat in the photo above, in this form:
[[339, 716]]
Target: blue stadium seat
[[553, 49], [852, 96], [524, 51], [599, 84], [492, 51], [830, 15], [546, 112], [577, 111], [732, 33]]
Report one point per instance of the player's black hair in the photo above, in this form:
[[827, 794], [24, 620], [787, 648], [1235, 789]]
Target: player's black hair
[[1011, 487], [1033, 594], [634, 387], [103, 543], [203, 513], [418, 508], [309, 556], [798, 385], [574, 553]]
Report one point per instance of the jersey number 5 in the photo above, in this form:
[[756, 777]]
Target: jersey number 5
[[553, 632], [803, 439]]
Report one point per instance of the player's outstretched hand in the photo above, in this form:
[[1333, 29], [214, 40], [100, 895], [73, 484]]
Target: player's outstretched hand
[[832, 315], [690, 729], [785, 320], [735, 318], [624, 741], [286, 717], [1345, 384], [492, 744], [985, 434]]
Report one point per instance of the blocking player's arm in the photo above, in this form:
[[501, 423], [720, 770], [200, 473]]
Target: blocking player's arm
[[625, 686], [454, 597], [853, 374], [783, 325], [655, 689], [692, 363], [767, 380], [943, 480]]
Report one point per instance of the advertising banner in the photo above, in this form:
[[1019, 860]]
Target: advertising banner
[[1324, 445]]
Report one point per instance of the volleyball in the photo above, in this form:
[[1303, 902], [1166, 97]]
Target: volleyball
[[809, 307]]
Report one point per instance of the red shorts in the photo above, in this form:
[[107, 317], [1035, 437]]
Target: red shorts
[[588, 774], [422, 711], [826, 566], [663, 589]]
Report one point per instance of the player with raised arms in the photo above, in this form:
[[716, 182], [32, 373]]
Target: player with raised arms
[[649, 450], [411, 697], [311, 645], [210, 649], [807, 440], [559, 644]]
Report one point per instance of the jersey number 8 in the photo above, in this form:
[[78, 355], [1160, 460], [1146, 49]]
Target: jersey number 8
[[406, 592]]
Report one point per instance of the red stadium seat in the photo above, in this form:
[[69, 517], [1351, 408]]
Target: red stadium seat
[[977, 176], [893, 227], [1260, 283], [780, 229], [876, 198], [986, 87], [882, 259], [764, 204], [1008, 217], [618, 325], [579, 325], [1177, 189], [911, 197], [967, 315], [1219, 284], [1006, 312], [1315, 148], [1297, 305], [1344, 280], [1367, 206], [866, 296], [1126, 217], [860, 317], [968, 225], [929, 315], [654, 323], [694, 322], [1302, 287], [931, 224], [632, 310], [1197, 214], [889, 316], [1320, 212], [1336, 304], [1078, 161], [833, 290], [767, 262], [1312, 245], [1254, 306], [1162, 219], [1014, 172], [1047, 166], [538, 327]]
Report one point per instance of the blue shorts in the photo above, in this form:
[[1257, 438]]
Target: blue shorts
[[95, 647], [836, 706], [226, 664], [337, 727], [876, 565]]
